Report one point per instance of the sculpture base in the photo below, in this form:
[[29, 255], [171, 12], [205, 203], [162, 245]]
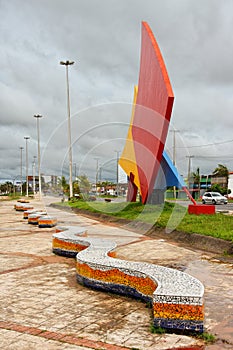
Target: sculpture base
[[201, 209]]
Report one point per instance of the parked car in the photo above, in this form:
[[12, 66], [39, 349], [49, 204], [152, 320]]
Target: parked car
[[213, 198]]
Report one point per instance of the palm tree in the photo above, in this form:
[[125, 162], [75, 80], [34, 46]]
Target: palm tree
[[84, 184], [221, 171], [196, 176], [63, 184], [196, 180]]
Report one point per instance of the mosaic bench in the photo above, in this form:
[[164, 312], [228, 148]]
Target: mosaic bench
[[47, 221], [176, 297], [26, 213], [33, 218], [23, 206]]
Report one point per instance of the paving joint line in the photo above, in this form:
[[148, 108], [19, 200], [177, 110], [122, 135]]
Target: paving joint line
[[37, 261], [56, 336]]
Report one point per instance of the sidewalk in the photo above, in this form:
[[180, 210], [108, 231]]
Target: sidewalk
[[42, 305]]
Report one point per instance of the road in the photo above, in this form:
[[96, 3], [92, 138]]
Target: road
[[219, 207]]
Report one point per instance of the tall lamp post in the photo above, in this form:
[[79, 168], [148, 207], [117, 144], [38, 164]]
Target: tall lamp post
[[174, 155], [189, 169], [26, 139], [117, 171], [38, 147], [96, 174], [21, 170], [69, 63], [33, 174]]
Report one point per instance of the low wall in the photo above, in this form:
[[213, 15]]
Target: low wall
[[176, 297]]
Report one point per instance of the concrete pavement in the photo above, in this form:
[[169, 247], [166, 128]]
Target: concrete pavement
[[42, 305]]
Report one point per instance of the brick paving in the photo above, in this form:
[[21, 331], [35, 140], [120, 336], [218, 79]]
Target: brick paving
[[42, 305]]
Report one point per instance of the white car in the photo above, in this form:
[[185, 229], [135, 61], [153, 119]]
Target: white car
[[213, 198]]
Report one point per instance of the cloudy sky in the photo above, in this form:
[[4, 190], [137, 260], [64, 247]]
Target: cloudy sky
[[103, 38]]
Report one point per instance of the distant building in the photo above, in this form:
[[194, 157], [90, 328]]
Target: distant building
[[230, 184], [205, 182], [219, 180], [31, 180], [51, 180]]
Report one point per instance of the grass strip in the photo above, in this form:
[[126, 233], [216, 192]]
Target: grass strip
[[163, 216]]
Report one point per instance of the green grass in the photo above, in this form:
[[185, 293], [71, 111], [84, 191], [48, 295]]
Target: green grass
[[207, 337], [170, 215], [218, 225], [157, 330]]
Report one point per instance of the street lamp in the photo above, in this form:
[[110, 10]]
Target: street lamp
[[26, 139], [117, 171], [69, 63], [21, 171], [189, 169], [38, 146], [100, 174], [33, 174], [174, 145], [96, 174], [174, 155]]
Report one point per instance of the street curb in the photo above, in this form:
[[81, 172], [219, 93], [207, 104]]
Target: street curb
[[189, 240]]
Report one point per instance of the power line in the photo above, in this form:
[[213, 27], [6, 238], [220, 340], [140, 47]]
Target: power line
[[207, 145], [215, 157]]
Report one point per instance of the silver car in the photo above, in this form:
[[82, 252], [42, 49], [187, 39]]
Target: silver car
[[213, 198]]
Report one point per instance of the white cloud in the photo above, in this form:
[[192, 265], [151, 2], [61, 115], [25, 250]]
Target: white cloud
[[103, 38]]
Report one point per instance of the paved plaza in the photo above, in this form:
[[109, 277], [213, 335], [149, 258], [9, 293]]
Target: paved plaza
[[42, 305]]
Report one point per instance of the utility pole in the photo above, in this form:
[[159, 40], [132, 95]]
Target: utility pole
[[100, 174], [38, 146], [96, 175], [174, 155], [117, 172], [189, 169], [26, 139], [174, 145], [33, 174]]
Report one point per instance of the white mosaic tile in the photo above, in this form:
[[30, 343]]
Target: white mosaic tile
[[173, 286]]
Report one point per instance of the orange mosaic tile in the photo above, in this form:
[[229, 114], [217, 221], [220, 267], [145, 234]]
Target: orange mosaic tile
[[61, 244], [179, 311], [143, 284]]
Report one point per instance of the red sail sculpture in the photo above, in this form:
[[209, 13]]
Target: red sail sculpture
[[152, 112]]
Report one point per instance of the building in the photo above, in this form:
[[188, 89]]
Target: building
[[219, 180], [230, 184], [50, 180], [33, 181]]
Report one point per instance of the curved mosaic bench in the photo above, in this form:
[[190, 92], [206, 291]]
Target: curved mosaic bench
[[23, 206], [23, 201], [47, 221], [176, 297], [33, 218], [26, 213]]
